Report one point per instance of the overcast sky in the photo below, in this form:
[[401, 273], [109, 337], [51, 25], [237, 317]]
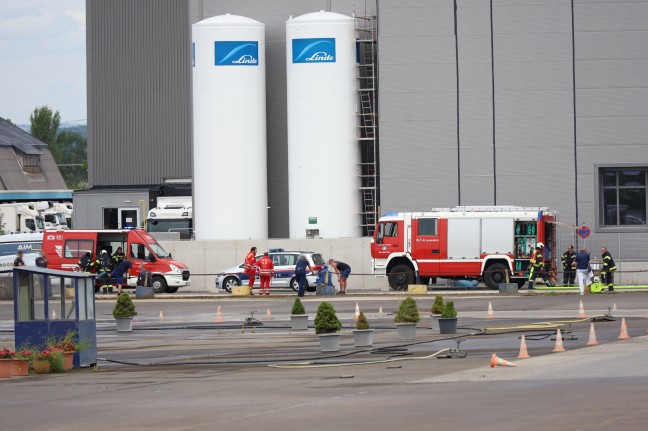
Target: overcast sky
[[42, 58]]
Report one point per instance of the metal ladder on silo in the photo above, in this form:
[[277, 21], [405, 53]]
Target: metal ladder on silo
[[367, 136]]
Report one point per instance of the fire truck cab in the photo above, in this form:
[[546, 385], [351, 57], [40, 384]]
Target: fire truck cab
[[64, 249], [489, 244]]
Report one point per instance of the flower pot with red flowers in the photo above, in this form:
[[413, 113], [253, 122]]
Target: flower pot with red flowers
[[21, 363], [6, 362], [68, 348], [41, 362]]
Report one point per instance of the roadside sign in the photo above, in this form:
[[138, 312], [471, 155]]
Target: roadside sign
[[584, 231]]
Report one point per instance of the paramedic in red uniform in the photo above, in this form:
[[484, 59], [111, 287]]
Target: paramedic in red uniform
[[266, 271], [250, 266]]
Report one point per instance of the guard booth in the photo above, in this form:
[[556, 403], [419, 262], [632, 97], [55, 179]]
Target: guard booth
[[49, 304]]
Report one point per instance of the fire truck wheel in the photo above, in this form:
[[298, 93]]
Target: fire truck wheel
[[494, 275], [400, 277], [425, 280], [159, 284]]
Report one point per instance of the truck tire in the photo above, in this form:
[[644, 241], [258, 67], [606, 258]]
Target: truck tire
[[400, 277], [494, 275], [425, 280], [159, 284], [172, 289]]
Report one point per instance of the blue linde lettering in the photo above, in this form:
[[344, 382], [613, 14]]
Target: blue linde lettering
[[320, 56]]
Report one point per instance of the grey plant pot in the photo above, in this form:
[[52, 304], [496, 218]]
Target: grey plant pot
[[406, 331], [363, 337], [124, 324], [434, 320], [330, 342], [299, 322], [448, 325]]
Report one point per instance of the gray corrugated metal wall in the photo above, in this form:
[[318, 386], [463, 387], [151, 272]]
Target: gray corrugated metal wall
[[531, 159], [139, 91], [140, 84]]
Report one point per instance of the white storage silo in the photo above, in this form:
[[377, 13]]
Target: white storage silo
[[323, 155], [229, 153]]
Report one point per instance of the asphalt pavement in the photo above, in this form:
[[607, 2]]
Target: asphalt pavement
[[188, 367]]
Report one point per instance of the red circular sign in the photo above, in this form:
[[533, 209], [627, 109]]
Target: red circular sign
[[584, 231]]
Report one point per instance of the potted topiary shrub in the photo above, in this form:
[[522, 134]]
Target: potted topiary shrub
[[406, 319], [298, 316], [327, 326], [362, 334], [124, 312], [448, 320], [435, 311]]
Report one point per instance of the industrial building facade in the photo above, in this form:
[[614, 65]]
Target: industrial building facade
[[479, 103]]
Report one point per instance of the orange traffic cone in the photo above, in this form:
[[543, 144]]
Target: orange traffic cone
[[581, 310], [357, 312], [268, 315], [624, 330], [499, 362], [219, 315], [524, 354], [559, 343], [592, 337], [161, 315], [490, 311], [614, 307]]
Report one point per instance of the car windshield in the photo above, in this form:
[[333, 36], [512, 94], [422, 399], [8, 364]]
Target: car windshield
[[158, 250]]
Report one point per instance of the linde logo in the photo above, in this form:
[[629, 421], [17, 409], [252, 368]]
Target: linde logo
[[236, 53], [313, 50]]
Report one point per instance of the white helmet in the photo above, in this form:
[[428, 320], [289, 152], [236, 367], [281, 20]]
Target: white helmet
[[103, 252], [541, 245]]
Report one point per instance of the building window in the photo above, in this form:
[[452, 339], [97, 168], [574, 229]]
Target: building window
[[622, 198]]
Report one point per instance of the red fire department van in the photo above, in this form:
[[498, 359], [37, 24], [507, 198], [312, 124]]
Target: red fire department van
[[475, 243], [64, 249]]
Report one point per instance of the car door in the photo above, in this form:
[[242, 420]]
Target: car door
[[285, 270]]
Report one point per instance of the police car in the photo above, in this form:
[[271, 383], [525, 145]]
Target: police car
[[284, 267]]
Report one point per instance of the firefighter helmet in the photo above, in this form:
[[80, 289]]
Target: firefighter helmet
[[103, 252], [541, 245]]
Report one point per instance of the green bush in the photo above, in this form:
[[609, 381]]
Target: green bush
[[407, 311], [124, 307], [449, 310], [362, 322], [437, 306], [326, 321], [298, 307]]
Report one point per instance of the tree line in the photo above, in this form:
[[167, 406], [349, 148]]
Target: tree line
[[69, 148]]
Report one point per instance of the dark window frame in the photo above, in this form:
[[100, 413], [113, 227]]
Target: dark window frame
[[419, 231], [603, 185]]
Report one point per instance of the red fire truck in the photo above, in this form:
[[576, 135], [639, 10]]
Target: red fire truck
[[486, 244], [64, 249]]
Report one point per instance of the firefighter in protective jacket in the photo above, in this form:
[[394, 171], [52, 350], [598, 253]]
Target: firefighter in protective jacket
[[537, 264], [607, 271], [266, 271], [568, 259], [250, 267]]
